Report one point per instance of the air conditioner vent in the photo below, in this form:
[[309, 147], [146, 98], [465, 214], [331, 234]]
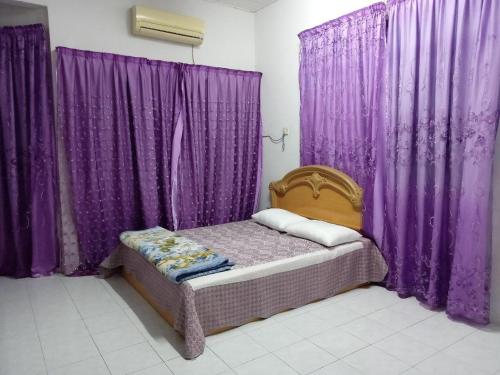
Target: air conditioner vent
[[164, 25]]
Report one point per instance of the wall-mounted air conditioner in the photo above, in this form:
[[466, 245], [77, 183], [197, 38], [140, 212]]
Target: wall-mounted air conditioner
[[164, 25]]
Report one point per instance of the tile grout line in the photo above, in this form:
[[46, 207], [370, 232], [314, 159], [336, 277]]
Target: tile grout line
[[288, 365], [373, 344], [37, 332], [444, 348], [365, 315], [227, 364], [86, 327]]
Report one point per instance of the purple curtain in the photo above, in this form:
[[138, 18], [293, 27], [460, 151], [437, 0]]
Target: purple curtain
[[28, 224], [220, 153], [118, 115], [152, 143], [437, 146], [341, 71]]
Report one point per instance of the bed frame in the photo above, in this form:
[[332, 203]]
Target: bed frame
[[316, 192], [321, 193]]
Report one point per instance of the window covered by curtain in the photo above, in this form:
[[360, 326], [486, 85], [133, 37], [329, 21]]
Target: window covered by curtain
[[28, 188], [117, 115], [219, 156], [151, 143], [341, 70], [437, 144]]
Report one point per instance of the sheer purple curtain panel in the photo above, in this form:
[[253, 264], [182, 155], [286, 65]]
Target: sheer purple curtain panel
[[341, 71], [219, 157], [117, 115], [437, 145], [28, 188]]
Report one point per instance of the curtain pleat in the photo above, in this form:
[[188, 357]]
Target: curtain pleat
[[28, 175], [341, 71], [437, 143], [152, 143]]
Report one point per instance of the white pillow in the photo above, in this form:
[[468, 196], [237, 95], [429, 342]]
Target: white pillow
[[278, 219], [323, 233]]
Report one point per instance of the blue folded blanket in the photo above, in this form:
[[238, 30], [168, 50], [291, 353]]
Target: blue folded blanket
[[178, 258]]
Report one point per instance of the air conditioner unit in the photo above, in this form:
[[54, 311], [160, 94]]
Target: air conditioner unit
[[164, 25]]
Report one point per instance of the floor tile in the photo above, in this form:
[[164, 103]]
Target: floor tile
[[368, 330], [118, 338], [412, 371], [274, 337], [61, 350], [167, 343], [305, 357], [480, 350], [260, 323], [160, 369], [347, 296], [371, 300], [18, 325], [212, 339], [237, 350], [412, 307], [21, 356], [144, 317], [438, 331], [105, 322], [338, 342], [15, 308], [131, 359], [12, 289], [396, 320], [122, 292], [406, 348], [61, 317], [443, 364], [50, 316], [337, 368], [307, 325], [374, 361], [285, 315], [93, 305], [206, 364], [65, 328], [335, 314], [93, 366], [268, 364]]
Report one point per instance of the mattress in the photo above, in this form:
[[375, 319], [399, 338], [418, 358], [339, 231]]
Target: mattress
[[273, 272], [258, 251]]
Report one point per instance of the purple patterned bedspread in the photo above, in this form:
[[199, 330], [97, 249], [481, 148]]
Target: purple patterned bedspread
[[247, 243], [199, 312]]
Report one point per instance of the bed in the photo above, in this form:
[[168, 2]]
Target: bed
[[274, 271]]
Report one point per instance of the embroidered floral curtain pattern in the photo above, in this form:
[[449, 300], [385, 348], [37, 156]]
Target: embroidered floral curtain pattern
[[341, 71], [117, 114], [128, 143], [28, 188], [437, 145], [423, 147], [219, 163]]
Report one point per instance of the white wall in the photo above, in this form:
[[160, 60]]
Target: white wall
[[17, 13], [277, 56], [495, 275], [104, 25]]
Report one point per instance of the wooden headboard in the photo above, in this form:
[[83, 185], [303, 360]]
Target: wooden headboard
[[321, 193]]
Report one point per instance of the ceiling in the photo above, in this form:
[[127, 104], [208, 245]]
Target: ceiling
[[247, 5]]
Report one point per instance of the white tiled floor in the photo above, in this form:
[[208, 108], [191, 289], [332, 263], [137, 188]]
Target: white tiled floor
[[88, 326]]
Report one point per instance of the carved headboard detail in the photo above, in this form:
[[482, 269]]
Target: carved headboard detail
[[321, 193]]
